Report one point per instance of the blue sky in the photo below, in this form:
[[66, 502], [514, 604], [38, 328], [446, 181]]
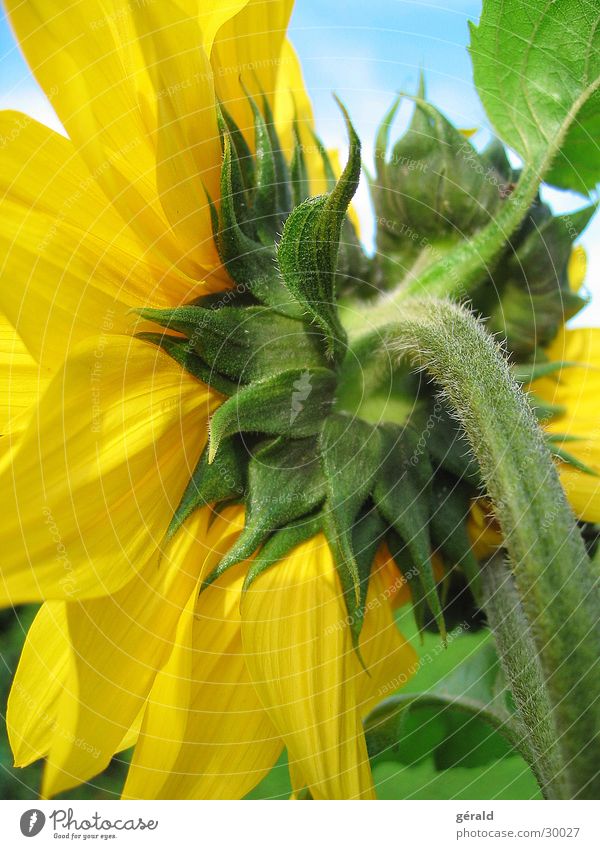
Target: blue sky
[[365, 51]]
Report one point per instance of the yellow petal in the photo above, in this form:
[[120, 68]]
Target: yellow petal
[[188, 144], [38, 685], [212, 14], [389, 658], [117, 645], [577, 388], [70, 266], [21, 379], [301, 659], [247, 54], [205, 734], [88, 61], [99, 471], [577, 268]]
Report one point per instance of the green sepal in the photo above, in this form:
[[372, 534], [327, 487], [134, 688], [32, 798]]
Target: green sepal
[[308, 251], [212, 482], [402, 496], [285, 483], [542, 410], [243, 343], [298, 171], [448, 524], [242, 150], [566, 456], [368, 534], [350, 452], [328, 171], [280, 544], [250, 263], [403, 560], [431, 192], [180, 350], [265, 201], [535, 296], [282, 172], [528, 372], [292, 403], [447, 445], [235, 197]]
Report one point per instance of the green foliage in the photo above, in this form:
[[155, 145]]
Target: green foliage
[[537, 71], [308, 252]]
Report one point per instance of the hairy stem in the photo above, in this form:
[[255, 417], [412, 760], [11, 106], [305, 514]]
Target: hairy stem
[[552, 572], [521, 666]]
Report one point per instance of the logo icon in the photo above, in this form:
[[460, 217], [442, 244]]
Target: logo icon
[[32, 822], [303, 388]]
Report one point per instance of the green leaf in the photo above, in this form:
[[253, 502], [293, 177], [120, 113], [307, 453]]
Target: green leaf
[[475, 688], [243, 343], [350, 451], [285, 483], [402, 496], [537, 68], [308, 251], [292, 403], [211, 482]]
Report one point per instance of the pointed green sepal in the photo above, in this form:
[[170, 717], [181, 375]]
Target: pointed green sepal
[[350, 453], [212, 482], [181, 351], [402, 495], [280, 544], [451, 504], [285, 483], [298, 170], [292, 403], [243, 343], [528, 372], [308, 252]]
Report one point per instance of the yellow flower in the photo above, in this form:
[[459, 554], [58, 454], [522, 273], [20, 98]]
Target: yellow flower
[[575, 390], [102, 431]]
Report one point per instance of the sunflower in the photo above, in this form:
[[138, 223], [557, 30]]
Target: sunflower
[[103, 430], [218, 520]]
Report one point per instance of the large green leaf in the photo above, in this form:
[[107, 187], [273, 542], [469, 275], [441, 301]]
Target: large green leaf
[[537, 68]]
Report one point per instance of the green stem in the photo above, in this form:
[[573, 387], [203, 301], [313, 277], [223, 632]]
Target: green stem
[[552, 571], [521, 666]]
